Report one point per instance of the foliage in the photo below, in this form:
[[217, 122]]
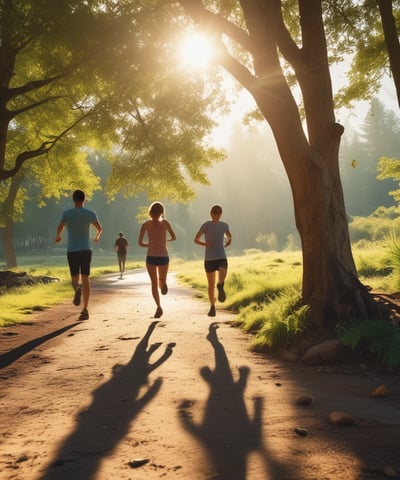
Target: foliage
[[390, 168], [394, 252], [363, 33], [375, 227], [378, 136], [377, 337]]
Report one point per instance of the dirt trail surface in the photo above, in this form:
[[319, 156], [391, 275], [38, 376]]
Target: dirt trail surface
[[122, 396]]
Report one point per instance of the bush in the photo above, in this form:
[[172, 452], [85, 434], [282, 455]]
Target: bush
[[377, 337]]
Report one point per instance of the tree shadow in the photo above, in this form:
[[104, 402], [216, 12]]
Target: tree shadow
[[10, 357], [227, 432], [108, 418]]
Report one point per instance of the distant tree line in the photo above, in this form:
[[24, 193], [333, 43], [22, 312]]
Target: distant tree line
[[257, 202]]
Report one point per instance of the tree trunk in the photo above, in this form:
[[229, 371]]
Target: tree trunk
[[8, 245], [7, 217], [330, 281]]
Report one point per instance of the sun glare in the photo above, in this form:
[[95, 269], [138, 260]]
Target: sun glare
[[196, 51]]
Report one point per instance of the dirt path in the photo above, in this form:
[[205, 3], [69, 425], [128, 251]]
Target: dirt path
[[121, 397]]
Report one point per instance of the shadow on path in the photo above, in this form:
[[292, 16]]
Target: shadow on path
[[227, 433], [107, 419], [13, 355]]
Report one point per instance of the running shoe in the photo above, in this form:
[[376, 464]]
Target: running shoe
[[84, 315], [164, 289], [211, 312], [221, 292], [158, 313], [77, 296]]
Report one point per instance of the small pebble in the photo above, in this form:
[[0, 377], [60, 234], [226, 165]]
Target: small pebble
[[301, 432], [138, 462]]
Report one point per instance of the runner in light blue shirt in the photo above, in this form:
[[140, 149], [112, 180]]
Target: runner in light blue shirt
[[77, 220]]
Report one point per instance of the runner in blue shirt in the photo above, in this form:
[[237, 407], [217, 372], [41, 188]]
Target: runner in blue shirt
[[79, 253]]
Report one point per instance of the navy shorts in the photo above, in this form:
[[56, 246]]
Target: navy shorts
[[79, 262], [150, 260], [214, 265], [121, 257]]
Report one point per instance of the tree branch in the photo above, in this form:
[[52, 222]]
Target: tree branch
[[14, 113], [44, 148], [33, 85], [216, 22], [238, 71]]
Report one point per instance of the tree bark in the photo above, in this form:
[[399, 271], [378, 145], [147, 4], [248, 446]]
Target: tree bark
[[7, 216], [391, 40]]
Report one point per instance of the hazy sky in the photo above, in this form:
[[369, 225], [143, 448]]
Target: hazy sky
[[243, 103]]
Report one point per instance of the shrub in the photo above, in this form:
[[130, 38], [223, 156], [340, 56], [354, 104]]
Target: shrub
[[375, 336]]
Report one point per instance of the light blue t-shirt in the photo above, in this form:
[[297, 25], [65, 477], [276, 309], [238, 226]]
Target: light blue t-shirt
[[214, 234], [78, 222]]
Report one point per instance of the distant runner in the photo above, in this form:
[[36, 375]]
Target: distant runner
[[121, 246]]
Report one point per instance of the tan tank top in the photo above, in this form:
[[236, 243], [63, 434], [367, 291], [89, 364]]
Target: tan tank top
[[157, 236]]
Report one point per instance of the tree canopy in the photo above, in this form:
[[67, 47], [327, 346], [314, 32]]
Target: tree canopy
[[76, 77], [99, 74]]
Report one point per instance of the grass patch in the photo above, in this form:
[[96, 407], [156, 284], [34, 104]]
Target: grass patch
[[277, 322], [264, 288], [18, 303], [254, 278]]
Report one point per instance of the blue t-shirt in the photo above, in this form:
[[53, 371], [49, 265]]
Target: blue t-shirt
[[214, 235], [78, 222]]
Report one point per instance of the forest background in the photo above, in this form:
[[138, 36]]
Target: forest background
[[257, 201]]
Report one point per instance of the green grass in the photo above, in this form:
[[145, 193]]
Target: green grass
[[263, 288], [17, 304]]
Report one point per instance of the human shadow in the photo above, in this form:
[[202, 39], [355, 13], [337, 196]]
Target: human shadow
[[13, 355], [108, 418], [227, 432]]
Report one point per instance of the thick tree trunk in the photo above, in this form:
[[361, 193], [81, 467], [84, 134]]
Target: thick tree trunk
[[330, 283]]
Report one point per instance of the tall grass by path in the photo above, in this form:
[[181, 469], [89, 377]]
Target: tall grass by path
[[264, 288]]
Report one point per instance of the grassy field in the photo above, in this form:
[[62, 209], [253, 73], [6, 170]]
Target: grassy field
[[17, 304], [263, 289], [254, 280]]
